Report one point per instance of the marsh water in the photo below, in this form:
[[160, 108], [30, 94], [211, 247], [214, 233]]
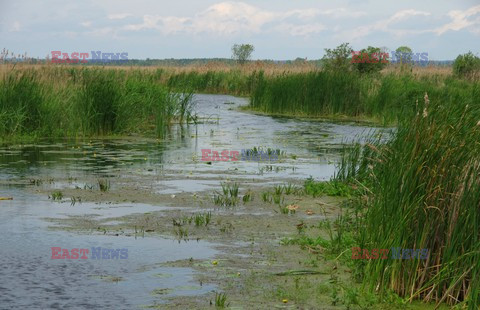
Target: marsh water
[[31, 279]]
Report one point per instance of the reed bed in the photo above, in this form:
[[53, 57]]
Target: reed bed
[[54, 101], [382, 97], [423, 192]]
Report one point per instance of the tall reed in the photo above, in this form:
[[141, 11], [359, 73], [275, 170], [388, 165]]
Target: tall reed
[[425, 193], [324, 93], [58, 101]]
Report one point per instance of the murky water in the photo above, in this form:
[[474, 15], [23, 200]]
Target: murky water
[[31, 279]]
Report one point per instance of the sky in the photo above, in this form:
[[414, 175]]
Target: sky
[[278, 29]]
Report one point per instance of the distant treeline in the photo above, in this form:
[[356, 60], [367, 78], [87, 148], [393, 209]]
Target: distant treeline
[[196, 61]]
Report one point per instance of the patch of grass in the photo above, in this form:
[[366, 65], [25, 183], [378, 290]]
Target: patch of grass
[[202, 219], [228, 197], [330, 188], [247, 197], [278, 199], [221, 300], [181, 233], [56, 196], [267, 197]]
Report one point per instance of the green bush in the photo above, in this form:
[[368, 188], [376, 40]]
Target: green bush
[[466, 65]]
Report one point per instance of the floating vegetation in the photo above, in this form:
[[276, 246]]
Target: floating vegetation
[[161, 291], [107, 278]]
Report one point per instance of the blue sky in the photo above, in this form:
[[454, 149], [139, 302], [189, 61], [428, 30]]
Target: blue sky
[[278, 29]]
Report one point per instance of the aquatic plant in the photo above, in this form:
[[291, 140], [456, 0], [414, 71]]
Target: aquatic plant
[[266, 197], [423, 189], [221, 300], [278, 199], [202, 219], [229, 198], [58, 101], [182, 233], [247, 197], [383, 98], [103, 185], [330, 188], [278, 189], [57, 195]]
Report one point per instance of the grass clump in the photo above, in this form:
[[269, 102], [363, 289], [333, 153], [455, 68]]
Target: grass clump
[[330, 188], [56, 196], [229, 196], [221, 300]]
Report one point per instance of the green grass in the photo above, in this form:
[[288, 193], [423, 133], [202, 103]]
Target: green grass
[[382, 98], [56, 196], [331, 188], [221, 300], [71, 102], [424, 192], [232, 82]]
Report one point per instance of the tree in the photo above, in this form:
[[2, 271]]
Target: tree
[[338, 58], [371, 59], [242, 52], [466, 65], [403, 55]]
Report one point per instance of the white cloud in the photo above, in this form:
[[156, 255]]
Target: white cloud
[[384, 25], [461, 20], [119, 16], [228, 18], [300, 30], [15, 27], [87, 23], [342, 12]]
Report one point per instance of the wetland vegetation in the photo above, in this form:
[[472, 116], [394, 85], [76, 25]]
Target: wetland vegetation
[[416, 188]]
